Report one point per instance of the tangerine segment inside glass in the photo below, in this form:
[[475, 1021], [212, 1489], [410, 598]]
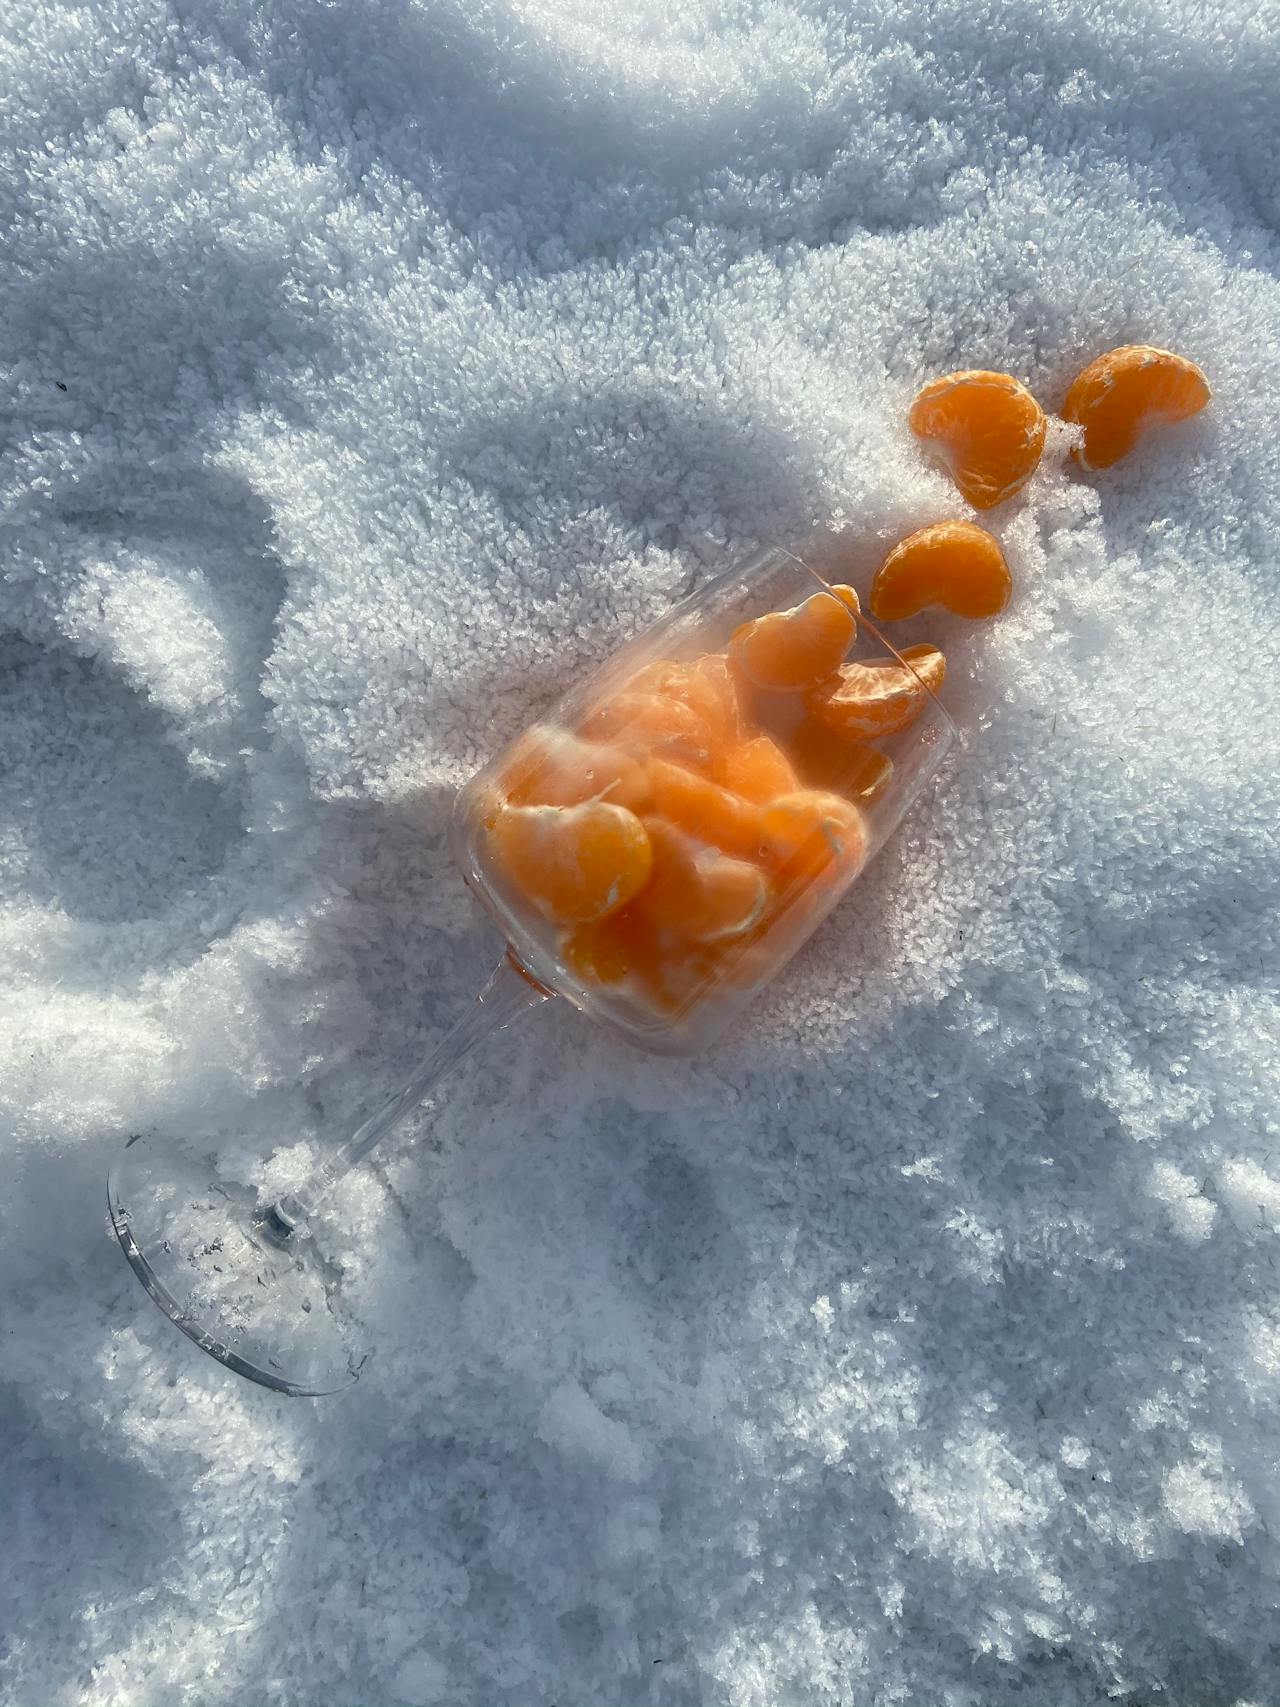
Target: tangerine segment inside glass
[[661, 843]]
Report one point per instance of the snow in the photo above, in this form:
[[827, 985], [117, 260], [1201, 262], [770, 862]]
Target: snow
[[369, 370]]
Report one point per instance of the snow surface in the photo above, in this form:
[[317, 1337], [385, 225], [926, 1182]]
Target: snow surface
[[368, 369]]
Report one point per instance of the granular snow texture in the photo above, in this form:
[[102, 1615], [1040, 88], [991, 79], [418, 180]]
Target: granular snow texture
[[371, 368]]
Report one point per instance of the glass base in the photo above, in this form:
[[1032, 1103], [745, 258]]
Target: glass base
[[250, 1291]]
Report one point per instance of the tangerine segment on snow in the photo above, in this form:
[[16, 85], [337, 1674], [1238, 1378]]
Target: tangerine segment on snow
[[957, 565], [879, 696], [550, 767], [697, 892], [985, 428], [787, 651], [575, 863], [1126, 391]]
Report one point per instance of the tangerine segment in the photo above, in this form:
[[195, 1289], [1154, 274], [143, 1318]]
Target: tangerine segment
[[957, 565], [704, 810], [697, 892], [812, 833], [879, 696], [644, 723], [550, 767], [758, 770], [831, 761], [710, 697], [986, 429], [789, 650], [610, 950], [1126, 391], [575, 863], [626, 951], [713, 668]]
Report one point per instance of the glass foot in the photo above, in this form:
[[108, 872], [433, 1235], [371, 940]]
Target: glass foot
[[253, 1293]]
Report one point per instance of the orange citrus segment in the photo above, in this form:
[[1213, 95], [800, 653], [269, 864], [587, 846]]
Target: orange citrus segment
[[662, 971], [610, 950], [686, 687], [785, 651], [696, 891], [835, 762], [575, 863], [551, 767], [652, 722], [986, 429], [704, 810], [810, 833], [879, 696], [713, 669], [757, 770], [957, 565], [1126, 391]]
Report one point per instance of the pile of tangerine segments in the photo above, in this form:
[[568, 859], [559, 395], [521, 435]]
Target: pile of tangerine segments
[[700, 800]]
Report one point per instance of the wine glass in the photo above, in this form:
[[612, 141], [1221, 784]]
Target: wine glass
[[727, 889]]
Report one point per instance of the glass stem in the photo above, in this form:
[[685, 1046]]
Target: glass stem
[[510, 991]]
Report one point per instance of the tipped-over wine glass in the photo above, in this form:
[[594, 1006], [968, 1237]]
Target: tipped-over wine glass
[[654, 850]]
